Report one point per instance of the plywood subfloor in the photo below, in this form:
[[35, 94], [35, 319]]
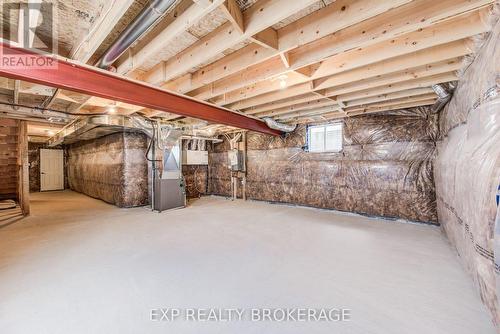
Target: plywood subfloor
[[78, 265]]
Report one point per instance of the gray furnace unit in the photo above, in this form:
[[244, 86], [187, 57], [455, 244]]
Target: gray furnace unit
[[169, 190]]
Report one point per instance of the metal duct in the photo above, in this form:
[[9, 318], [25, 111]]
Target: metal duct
[[443, 97], [139, 26], [91, 127], [167, 136], [279, 126]]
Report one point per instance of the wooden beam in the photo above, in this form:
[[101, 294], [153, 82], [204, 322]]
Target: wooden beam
[[282, 103], [100, 30], [390, 105], [419, 58], [319, 111], [331, 19], [319, 103], [17, 84], [435, 55], [416, 15], [285, 59], [51, 99], [446, 66], [373, 109], [263, 87], [86, 48], [405, 85], [463, 27], [387, 103], [267, 38], [177, 26], [257, 18], [390, 96], [252, 73], [290, 92], [231, 64], [74, 108], [233, 14], [419, 14], [23, 189]]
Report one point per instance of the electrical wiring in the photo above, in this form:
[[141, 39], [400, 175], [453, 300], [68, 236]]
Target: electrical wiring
[[153, 139]]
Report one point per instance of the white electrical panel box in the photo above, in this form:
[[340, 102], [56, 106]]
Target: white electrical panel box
[[190, 157], [235, 158]]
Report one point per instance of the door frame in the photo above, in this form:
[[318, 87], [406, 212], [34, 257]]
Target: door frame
[[62, 169]]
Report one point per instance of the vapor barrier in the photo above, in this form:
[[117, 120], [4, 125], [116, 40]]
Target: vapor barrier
[[196, 180], [111, 168], [467, 179], [385, 168], [468, 170]]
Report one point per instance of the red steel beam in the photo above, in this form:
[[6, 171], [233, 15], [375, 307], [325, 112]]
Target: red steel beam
[[95, 82]]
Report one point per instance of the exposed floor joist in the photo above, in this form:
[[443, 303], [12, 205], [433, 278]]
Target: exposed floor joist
[[345, 54], [463, 27], [410, 17], [257, 18]]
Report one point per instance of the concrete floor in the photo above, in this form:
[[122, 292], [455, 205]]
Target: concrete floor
[[78, 265]]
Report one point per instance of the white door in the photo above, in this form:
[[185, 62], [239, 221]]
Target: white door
[[51, 170]]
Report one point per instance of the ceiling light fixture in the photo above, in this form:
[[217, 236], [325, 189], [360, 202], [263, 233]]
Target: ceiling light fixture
[[112, 108], [282, 80]]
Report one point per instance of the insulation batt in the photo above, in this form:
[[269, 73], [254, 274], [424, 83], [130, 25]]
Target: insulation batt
[[385, 168], [195, 178], [112, 168], [467, 170]]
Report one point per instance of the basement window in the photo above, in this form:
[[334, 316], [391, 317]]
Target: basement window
[[325, 138]]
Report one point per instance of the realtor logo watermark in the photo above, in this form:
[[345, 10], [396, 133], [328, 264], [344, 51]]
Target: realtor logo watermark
[[252, 315], [32, 27]]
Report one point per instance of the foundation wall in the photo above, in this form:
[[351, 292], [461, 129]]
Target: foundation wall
[[467, 170], [385, 168], [196, 180], [111, 168]]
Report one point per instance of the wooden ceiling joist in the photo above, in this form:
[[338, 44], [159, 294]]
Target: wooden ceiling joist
[[184, 21], [462, 27], [395, 78], [400, 63], [362, 111], [332, 18], [298, 114], [105, 24], [257, 18], [391, 96], [408, 18], [233, 14], [320, 103], [267, 38], [282, 103], [346, 58], [328, 20], [409, 84], [387, 102]]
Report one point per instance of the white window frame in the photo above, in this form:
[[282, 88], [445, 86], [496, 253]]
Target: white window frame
[[324, 126]]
